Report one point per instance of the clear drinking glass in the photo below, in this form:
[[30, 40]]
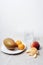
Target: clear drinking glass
[[29, 37]]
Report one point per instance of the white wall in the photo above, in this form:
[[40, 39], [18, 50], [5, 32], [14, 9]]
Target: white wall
[[20, 16]]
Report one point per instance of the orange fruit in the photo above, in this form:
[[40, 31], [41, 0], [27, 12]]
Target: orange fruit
[[18, 42], [21, 46]]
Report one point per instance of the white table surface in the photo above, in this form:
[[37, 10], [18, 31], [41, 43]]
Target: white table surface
[[23, 58]]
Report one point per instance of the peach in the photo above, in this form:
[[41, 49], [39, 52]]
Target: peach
[[35, 44]]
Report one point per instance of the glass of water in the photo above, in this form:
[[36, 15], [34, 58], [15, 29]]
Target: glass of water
[[29, 37]]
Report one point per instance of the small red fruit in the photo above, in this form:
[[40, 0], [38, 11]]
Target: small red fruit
[[35, 44]]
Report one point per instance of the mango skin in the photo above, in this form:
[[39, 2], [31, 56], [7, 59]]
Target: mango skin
[[9, 43]]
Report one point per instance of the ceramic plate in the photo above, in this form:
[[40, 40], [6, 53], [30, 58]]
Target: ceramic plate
[[16, 51]]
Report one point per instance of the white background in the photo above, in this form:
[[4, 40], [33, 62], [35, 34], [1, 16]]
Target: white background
[[20, 16]]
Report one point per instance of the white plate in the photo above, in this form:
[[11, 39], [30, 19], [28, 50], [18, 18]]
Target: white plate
[[5, 50]]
